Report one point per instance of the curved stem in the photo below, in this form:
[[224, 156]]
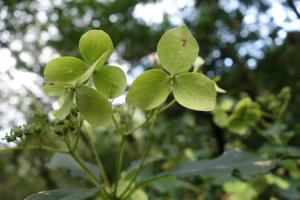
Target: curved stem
[[119, 164], [99, 162], [145, 183], [35, 147], [85, 169], [167, 106], [147, 149], [77, 136]]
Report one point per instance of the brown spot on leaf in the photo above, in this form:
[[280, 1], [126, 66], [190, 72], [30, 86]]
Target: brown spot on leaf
[[183, 42]]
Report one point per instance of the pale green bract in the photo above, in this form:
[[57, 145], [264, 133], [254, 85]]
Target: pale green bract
[[194, 91], [177, 50], [95, 44], [93, 106], [67, 99], [64, 70], [149, 90], [110, 81]]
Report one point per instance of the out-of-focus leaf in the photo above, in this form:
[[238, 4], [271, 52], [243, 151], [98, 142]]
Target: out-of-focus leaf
[[177, 50], [65, 161], [246, 113], [149, 160], [137, 195], [65, 194], [247, 164]]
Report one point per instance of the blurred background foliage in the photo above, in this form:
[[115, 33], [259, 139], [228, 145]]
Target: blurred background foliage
[[251, 47]]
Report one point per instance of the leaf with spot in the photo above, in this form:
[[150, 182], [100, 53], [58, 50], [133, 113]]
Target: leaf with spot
[[93, 106], [149, 90], [64, 70], [110, 81], [65, 194], [177, 50], [195, 91], [247, 164]]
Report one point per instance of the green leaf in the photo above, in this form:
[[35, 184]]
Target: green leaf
[[247, 164], [246, 114], [64, 70], [149, 90], [53, 90], [93, 106], [177, 50], [110, 81], [65, 194], [194, 91], [65, 161], [95, 47], [67, 99]]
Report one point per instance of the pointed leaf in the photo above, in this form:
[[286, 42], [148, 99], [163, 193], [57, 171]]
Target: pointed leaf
[[110, 81], [247, 164], [53, 90], [67, 99], [93, 106], [95, 47], [64, 70], [65, 194], [149, 90], [177, 50], [195, 91]]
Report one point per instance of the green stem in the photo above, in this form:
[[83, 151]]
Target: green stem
[[35, 147], [77, 136], [92, 177], [167, 106], [119, 164], [99, 162], [145, 183], [85, 169], [147, 149]]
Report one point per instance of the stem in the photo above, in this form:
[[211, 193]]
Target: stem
[[145, 183], [138, 127], [119, 164], [77, 136], [147, 149], [99, 162], [85, 169], [167, 106], [80, 162], [35, 147]]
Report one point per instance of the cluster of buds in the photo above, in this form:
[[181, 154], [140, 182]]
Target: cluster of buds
[[68, 125], [20, 132]]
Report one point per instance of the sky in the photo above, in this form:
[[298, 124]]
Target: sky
[[14, 81]]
